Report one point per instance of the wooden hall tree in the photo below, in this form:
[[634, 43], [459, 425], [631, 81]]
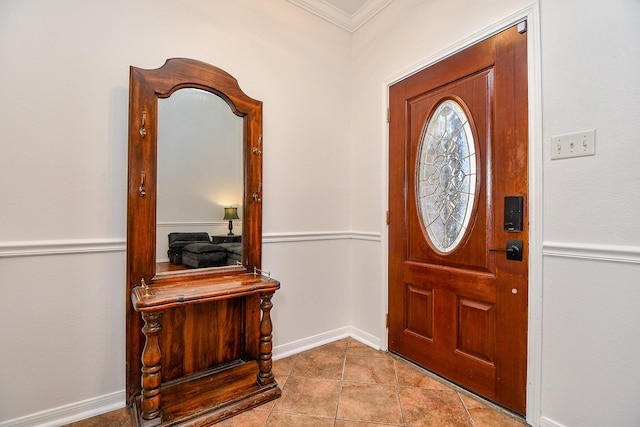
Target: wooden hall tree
[[198, 339]]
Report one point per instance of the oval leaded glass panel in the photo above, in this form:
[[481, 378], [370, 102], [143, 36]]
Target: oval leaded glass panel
[[446, 176]]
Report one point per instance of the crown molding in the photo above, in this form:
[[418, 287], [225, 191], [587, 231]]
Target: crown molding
[[340, 18]]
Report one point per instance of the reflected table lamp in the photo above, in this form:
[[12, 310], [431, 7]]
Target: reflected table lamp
[[230, 214]]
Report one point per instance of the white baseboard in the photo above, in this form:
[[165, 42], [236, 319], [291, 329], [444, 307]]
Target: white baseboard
[[295, 347], [546, 422], [70, 413], [365, 338], [99, 405]]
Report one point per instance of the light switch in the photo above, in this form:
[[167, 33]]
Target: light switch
[[577, 144]]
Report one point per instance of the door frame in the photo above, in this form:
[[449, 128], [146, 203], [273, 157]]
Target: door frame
[[534, 335]]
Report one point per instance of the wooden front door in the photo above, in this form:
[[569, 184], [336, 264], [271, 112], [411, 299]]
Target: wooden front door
[[458, 147]]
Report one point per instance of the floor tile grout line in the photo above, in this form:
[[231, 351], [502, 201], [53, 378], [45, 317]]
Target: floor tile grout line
[[344, 367], [395, 371], [266, 420], [466, 410]]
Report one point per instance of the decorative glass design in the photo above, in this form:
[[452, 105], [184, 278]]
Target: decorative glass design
[[446, 176]]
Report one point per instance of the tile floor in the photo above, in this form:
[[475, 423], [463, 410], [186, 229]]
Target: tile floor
[[348, 384]]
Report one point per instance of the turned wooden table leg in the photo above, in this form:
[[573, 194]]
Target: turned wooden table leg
[[151, 375], [264, 362]]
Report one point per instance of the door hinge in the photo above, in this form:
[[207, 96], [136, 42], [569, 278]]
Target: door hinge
[[386, 321], [522, 27], [388, 115], [388, 220]]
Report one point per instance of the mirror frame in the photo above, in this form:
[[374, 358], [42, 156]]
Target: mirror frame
[[146, 87]]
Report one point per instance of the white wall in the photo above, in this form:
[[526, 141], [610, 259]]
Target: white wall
[[590, 286], [591, 57], [63, 133]]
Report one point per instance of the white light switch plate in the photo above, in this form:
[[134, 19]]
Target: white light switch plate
[[577, 144]]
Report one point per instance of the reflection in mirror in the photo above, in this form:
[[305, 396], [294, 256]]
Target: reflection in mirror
[[200, 173]]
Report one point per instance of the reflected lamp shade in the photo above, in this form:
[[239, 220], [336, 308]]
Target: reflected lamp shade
[[229, 215]]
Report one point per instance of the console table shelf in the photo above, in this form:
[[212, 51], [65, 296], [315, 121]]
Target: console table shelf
[[160, 297], [209, 398], [234, 372]]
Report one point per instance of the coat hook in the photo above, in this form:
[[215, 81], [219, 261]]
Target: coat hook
[[142, 189], [256, 195], [143, 129], [256, 149]]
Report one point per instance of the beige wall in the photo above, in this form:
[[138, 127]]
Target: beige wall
[[63, 130], [586, 290]]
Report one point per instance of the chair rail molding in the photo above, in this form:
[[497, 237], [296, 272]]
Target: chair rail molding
[[310, 236], [592, 251], [56, 247], [118, 244]]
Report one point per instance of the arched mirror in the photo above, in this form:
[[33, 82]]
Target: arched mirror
[[194, 174], [200, 179]]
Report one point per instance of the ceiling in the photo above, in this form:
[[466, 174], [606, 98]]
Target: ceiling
[[346, 14]]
